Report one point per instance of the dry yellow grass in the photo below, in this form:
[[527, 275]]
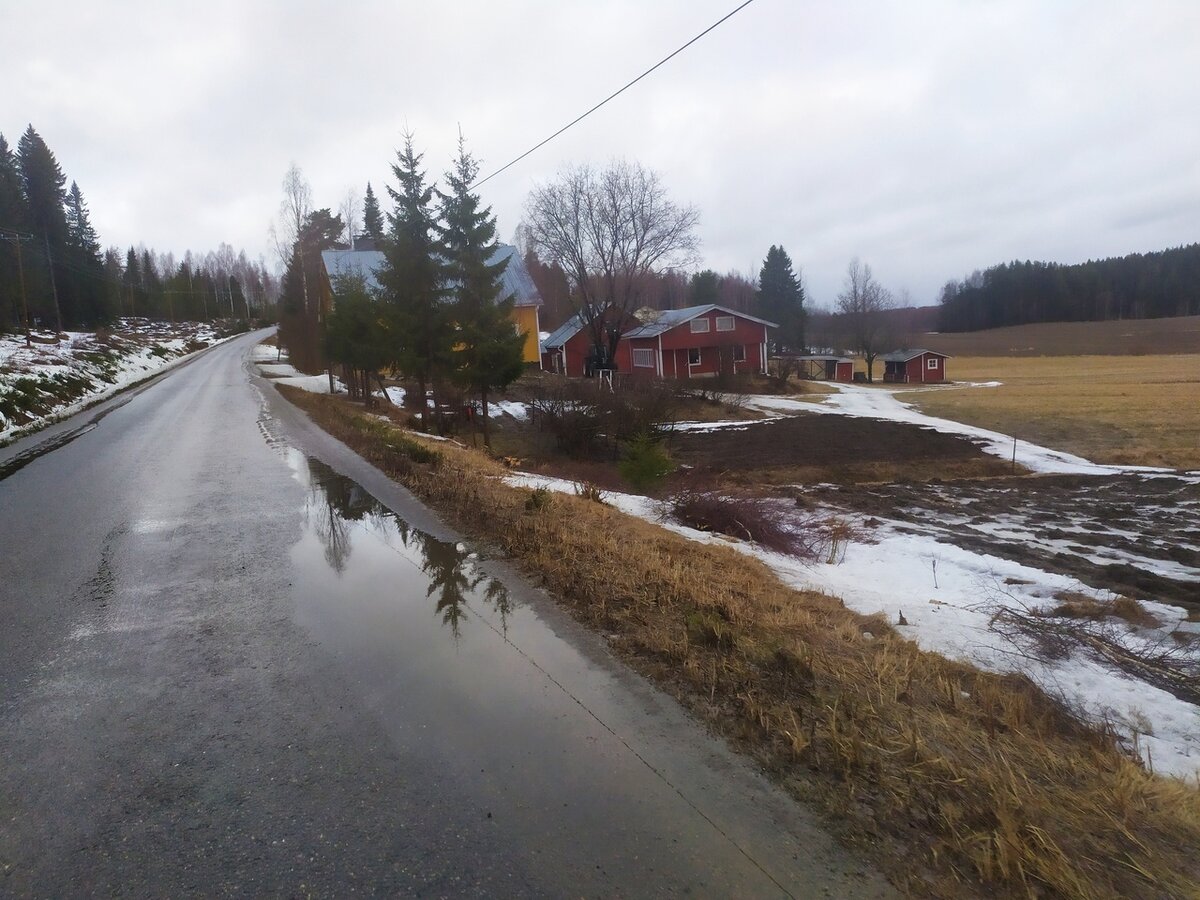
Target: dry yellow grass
[[958, 782], [1134, 410]]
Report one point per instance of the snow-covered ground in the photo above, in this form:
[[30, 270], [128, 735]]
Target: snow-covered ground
[[286, 373], [45, 382], [948, 595]]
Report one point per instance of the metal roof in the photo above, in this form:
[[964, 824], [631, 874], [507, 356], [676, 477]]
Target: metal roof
[[361, 263], [815, 357], [672, 317], [906, 355], [516, 279], [563, 332]]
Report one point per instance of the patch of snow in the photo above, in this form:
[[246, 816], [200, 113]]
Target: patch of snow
[[314, 384], [514, 408], [396, 395], [277, 370]]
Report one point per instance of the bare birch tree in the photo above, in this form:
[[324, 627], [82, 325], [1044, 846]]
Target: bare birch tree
[[294, 211], [349, 210], [864, 303], [608, 229]]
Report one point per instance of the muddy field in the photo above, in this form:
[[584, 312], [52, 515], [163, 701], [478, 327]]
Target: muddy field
[[833, 448], [1135, 535]]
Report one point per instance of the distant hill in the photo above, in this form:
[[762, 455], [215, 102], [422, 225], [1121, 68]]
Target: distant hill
[[1124, 338], [1138, 286]]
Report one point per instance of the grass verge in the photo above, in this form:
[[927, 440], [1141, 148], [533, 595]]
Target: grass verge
[[955, 781]]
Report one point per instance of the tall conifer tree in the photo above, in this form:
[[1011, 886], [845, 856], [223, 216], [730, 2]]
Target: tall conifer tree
[[13, 220], [372, 218], [43, 186], [487, 348], [412, 276], [781, 298]]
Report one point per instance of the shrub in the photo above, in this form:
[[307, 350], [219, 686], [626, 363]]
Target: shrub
[[589, 491], [646, 463], [741, 517]]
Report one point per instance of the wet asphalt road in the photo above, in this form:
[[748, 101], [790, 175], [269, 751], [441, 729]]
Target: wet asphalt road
[[237, 660]]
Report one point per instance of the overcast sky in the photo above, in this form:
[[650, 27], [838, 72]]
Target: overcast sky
[[928, 138]]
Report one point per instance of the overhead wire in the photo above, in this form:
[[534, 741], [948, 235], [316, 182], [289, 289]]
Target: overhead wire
[[615, 93]]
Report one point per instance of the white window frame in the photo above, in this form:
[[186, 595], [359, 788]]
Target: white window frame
[[739, 353], [700, 325], [699, 356], [646, 354], [931, 363], [726, 323]]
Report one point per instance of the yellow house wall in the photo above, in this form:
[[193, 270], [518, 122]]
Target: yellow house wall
[[526, 320]]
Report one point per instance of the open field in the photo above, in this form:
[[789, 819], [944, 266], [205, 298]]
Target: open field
[[1130, 410], [1119, 338], [959, 782]]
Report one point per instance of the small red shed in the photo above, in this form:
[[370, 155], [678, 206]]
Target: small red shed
[[915, 366], [825, 368], [695, 342]]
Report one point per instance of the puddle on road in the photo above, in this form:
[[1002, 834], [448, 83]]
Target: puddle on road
[[368, 550]]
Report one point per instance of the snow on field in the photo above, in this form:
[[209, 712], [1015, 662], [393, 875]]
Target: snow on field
[[948, 595], [52, 379], [882, 403]]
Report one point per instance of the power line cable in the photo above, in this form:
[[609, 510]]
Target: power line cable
[[615, 94]]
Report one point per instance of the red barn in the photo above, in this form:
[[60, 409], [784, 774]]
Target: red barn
[[695, 342], [915, 366]]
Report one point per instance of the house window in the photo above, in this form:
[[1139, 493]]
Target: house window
[[931, 363], [724, 323], [694, 355], [643, 359], [739, 351], [699, 326]]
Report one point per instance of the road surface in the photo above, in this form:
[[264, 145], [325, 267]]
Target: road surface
[[236, 659]]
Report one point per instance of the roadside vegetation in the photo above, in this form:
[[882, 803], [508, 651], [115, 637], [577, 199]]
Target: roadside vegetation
[[958, 782], [57, 372], [1128, 410]]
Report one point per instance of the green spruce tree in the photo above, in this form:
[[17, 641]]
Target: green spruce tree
[[43, 187], [372, 218], [780, 299], [412, 278], [132, 282], [14, 232], [487, 353], [89, 294]]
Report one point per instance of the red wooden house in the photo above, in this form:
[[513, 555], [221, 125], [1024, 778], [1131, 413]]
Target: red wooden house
[[570, 349], [915, 366], [695, 342]]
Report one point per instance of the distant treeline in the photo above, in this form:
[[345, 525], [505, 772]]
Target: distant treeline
[[1138, 286], [53, 271]]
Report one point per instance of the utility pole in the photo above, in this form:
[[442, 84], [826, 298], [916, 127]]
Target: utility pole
[[16, 237], [53, 285]]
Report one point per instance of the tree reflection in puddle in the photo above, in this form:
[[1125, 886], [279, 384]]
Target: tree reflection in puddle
[[337, 506]]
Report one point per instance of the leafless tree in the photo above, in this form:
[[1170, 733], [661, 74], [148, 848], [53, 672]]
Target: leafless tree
[[294, 211], [864, 303], [349, 210], [608, 229]]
